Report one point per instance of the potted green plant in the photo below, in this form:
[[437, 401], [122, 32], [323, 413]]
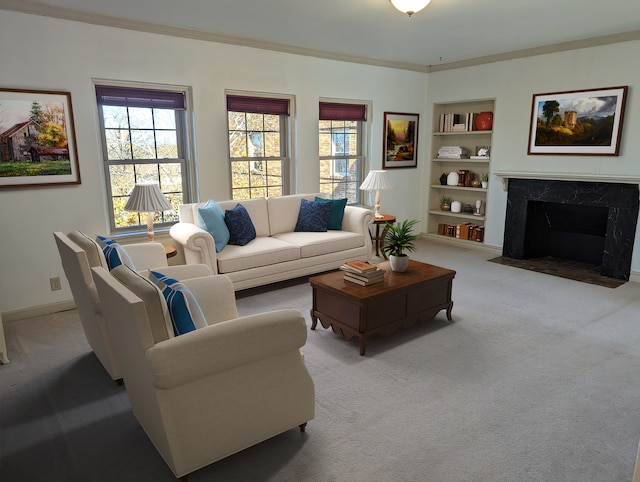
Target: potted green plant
[[398, 240], [485, 180], [445, 203]]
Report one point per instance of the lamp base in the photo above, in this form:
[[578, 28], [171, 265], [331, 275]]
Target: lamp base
[[150, 226]]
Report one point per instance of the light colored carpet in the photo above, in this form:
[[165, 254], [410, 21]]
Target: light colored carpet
[[535, 380]]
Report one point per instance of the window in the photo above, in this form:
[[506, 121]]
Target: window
[[341, 149], [144, 139], [258, 147]]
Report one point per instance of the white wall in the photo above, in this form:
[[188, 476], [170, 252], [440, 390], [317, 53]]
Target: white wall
[[51, 54], [513, 83]]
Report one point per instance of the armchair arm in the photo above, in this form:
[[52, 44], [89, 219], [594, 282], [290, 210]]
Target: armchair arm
[[215, 295], [225, 345], [198, 245], [357, 219], [146, 255]]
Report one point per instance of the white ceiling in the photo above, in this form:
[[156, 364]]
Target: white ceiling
[[371, 31]]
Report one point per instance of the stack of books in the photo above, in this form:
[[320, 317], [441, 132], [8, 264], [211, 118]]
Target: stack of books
[[453, 152], [362, 273]]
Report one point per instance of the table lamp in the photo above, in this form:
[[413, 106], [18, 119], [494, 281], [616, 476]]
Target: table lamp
[[146, 197], [376, 181]]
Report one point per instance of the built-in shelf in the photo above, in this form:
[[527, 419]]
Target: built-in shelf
[[449, 214], [471, 140], [458, 188]]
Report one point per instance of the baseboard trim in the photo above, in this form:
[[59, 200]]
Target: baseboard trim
[[38, 310]]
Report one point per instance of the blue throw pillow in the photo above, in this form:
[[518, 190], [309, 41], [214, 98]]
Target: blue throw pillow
[[114, 253], [186, 314], [241, 229], [337, 211], [313, 216], [210, 217]]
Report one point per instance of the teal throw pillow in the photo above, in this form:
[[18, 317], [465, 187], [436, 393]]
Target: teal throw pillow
[[210, 217], [313, 216], [337, 211], [114, 253], [184, 309], [241, 229]]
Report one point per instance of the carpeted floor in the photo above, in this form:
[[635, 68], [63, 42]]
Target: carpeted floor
[[536, 379]]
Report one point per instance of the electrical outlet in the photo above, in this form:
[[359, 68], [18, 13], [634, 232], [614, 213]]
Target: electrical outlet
[[55, 284]]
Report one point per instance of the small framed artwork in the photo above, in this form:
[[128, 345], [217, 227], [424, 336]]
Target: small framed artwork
[[400, 139], [37, 139], [579, 122]]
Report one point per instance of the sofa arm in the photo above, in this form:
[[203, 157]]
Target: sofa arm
[[146, 255], [223, 346], [357, 219], [198, 245]]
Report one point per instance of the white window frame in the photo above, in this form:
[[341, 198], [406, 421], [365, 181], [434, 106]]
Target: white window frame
[[185, 130]]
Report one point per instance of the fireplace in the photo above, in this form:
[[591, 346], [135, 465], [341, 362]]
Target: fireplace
[[591, 222]]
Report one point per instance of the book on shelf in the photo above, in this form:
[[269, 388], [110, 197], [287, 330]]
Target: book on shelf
[[453, 152], [486, 158], [457, 122], [467, 231], [358, 266], [363, 280]]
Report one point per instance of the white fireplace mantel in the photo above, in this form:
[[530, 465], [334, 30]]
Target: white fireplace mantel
[[557, 176]]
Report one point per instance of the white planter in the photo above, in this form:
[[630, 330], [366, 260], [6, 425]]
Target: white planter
[[399, 264], [456, 206], [485, 184]]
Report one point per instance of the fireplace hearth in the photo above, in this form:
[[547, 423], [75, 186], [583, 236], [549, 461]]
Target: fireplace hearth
[[592, 222]]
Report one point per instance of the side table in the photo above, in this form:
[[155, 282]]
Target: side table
[[170, 250], [379, 237]]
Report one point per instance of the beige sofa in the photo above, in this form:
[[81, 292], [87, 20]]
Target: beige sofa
[[277, 253], [209, 393]]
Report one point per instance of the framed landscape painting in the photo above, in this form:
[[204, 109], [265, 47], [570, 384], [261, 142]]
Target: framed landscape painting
[[37, 139], [580, 122], [400, 140]]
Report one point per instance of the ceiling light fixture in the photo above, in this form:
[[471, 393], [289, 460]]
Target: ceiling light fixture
[[410, 6]]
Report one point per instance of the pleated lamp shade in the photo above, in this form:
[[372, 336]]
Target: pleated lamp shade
[[147, 198]]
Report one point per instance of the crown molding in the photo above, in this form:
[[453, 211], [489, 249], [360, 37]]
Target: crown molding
[[41, 9], [544, 49]]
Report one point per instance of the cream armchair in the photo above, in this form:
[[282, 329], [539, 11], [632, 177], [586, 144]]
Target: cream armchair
[[212, 392], [79, 254]]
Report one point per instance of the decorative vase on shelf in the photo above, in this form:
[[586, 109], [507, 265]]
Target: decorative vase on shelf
[[456, 206], [443, 179], [484, 121], [452, 179]]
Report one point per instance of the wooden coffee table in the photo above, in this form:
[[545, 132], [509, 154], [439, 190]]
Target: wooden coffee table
[[400, 301]]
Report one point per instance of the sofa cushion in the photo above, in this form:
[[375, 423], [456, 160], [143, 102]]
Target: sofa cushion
[[184, 309], [313, 216], [114, 253], [283, 211], [337, 211], [211, 218], [241, 230], [154, 303], [258, 212], [316, 244], [262, 251]]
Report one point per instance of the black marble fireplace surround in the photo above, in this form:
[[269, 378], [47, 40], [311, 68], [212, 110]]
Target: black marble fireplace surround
[[594, 222]]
